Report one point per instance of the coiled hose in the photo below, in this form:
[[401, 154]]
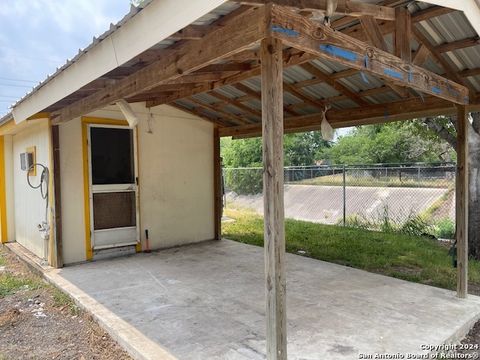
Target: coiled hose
[[43, 184]]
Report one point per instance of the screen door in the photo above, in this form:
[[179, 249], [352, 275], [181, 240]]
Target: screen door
[[113, 186]]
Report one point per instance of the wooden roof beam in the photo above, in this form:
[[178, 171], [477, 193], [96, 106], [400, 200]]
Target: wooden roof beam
[[388, 27], [231, 117], [375, 37], [257, 95], [405, 109], [457, 45], [344, 7], [450, 72], [319, 74], [319, 104], [196, 112], [192, 32], [236, 104], [238, 34], [322, 41], [221, 68]]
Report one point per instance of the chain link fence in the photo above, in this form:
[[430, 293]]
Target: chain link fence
[[411, 198]]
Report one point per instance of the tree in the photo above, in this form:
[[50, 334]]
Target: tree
[[299, 150], [445, 128], [388, 143]]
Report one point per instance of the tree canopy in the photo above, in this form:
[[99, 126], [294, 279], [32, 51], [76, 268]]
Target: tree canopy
[[399, 142], [299, 149]]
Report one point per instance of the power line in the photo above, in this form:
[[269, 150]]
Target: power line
[[19, 80], [16, 85]]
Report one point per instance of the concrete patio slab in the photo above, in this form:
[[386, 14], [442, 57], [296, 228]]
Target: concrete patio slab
[[206, 301]]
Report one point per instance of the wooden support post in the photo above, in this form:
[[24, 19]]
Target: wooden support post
[[403, 34], [274, 228], [56, 247], [462, 202], [217, 184]]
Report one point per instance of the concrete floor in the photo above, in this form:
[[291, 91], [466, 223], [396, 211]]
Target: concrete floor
[[206, 301]]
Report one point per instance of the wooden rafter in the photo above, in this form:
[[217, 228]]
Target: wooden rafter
[[456, 45], [469, 72], [192, 32], [292, 57], [201, 114], [319, 104], [239, 34], [421, 55], [221, 68], [210, 75], [319, 74], [402, 38], [395, 111], [344, 7], [320, 40], [236, 103], [236, 119], [375, 38], [388, 27], [422, 40]]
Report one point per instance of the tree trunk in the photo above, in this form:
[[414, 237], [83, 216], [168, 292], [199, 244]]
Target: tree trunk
[[474, 174], [474, 194]]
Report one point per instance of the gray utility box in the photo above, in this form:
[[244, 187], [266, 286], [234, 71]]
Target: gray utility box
[[26, 161]]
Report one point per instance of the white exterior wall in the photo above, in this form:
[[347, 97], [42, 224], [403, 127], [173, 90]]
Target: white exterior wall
[[9, 187], [29, 207], [175, 179], [71, 184]]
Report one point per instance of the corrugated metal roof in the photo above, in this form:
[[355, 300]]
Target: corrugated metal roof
[[446, 28], [204, 20]]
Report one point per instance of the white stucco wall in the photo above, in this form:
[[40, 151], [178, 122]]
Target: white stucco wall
[[175, 179], [71, 175], [29, 207], [9, 187]]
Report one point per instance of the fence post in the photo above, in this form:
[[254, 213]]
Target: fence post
[[344, 196]]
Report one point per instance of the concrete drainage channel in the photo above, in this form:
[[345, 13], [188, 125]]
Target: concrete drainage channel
[[134, 342]]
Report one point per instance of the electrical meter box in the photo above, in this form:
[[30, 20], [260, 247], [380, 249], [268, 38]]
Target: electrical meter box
[[26, 161]]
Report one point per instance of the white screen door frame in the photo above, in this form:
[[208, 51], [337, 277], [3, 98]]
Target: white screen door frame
[[115, 236]]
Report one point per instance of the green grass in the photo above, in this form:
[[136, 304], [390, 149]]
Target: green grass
[[390, 181], [403, 256], [62, 300], [10, 283]]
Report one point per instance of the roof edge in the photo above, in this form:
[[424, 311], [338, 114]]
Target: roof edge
[[138, 32]]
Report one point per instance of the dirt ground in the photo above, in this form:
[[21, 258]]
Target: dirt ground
[[37, 321], [472, 343]]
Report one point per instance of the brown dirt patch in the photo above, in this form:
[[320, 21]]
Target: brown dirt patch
[[472, 343], [39, 322]]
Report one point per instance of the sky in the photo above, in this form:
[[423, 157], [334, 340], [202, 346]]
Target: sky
[[37, 36]]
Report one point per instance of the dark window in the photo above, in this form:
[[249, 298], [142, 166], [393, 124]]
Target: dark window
[[112, 156]]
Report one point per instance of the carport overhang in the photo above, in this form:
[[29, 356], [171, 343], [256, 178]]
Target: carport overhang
[[262, 38], [139, 31]]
